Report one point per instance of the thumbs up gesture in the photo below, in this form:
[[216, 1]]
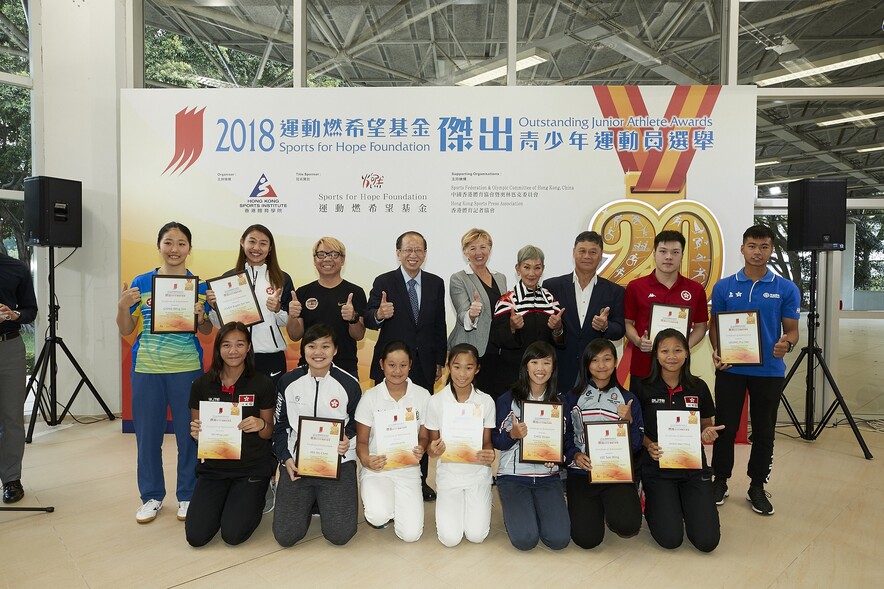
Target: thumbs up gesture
[[129, 296], [645, 343], [624, 412], [519, 430], [273, 303], [516, 321], [385, 310], [348, 313], [294, 307], [475, 306], [555, 321], [600, 321], [781, 348]]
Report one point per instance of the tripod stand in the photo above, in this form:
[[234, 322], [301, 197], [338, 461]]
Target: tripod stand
[[813, 352], [47, 362]]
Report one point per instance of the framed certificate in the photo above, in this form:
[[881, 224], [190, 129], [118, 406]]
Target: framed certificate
[[676, 317], [544, 441], [678, 435], [316, 451], [739, 337], [462, 429], [172, 301], [220, 436], [235, 299], [608, 447], [395, 433]]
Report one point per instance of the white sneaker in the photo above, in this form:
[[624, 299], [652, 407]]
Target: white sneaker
[[148, 512], [270, 497], [182, 510]]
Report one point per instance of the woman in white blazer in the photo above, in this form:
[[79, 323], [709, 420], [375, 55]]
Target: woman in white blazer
[[474, 291]]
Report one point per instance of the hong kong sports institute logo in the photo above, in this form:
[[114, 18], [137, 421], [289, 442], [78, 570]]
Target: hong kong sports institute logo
[[188, 139]]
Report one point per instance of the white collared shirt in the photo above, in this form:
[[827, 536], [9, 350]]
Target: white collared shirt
[[583, 295]]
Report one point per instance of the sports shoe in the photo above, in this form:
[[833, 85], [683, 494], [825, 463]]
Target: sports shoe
[[148, 512], [758, 497], [270, 497], [719, 490], [182, 510]]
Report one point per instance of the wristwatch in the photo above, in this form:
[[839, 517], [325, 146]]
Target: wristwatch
[[791, 347]]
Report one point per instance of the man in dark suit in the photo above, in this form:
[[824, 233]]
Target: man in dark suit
[[593, 306], [408, 304]]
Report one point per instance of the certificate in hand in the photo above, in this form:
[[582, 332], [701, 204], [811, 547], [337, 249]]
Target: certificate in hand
[[545, 438], [219, 437], [461, 430], [608, 447], [395, 433], [678, 435], [739, 337], [172, 302], [235, 299], [669, 317], [316, 451]]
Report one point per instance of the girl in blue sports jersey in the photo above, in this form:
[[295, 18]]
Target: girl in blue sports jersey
[[163, 368]]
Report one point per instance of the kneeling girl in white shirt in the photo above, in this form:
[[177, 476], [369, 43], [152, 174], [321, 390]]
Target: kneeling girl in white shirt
[[463, 506], [390, 481]]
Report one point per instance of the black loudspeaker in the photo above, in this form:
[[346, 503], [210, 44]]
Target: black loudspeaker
[[817, 215], [53, 212]]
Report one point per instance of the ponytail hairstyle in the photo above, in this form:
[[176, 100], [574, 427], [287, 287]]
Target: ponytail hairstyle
[[274, 272]]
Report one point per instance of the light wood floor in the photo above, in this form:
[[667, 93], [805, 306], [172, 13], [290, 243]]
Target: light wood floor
[[826, 531]]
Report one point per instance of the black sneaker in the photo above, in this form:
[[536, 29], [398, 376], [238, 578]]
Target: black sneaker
[[758, 497], [719, 490]]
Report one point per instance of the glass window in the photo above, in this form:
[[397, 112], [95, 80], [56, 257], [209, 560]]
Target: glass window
[[868, 268], [13, 39]]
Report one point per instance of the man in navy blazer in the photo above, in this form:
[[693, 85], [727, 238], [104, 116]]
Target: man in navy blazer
[[389, 310], [593, 306], [394, 298]]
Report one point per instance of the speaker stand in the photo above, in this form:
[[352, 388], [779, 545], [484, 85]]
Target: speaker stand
[[46, 369], [813, 352]]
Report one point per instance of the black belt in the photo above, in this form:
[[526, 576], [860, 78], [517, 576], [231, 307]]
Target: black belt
[[9, 335]]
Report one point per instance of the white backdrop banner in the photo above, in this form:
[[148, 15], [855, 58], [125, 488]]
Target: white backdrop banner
[[529, 165]]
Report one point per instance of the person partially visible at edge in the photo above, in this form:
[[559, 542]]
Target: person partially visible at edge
[[18, 307]]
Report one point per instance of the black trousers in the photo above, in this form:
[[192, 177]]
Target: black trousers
[[233, 505], [676, 503], [764, 401], [591, 506]]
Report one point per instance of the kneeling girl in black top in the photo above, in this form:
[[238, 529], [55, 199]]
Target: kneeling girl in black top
[[677, 500], [229, 494], [598, 396]]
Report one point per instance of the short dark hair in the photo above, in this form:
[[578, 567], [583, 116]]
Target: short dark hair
[[589, 236], [174, 225], [401, 237], [315, 332], [667, 236], [759, 232], [217, 363]]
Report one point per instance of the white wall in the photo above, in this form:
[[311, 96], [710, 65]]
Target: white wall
[[79, 65]]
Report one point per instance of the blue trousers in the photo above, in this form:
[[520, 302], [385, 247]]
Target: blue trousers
[[151, 394], [534, 509]]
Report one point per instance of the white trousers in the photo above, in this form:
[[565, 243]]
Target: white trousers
[[394, 495], [463, 513]]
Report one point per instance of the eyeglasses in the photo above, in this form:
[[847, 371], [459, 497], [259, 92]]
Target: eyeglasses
[[413, 250], [323, 255]]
